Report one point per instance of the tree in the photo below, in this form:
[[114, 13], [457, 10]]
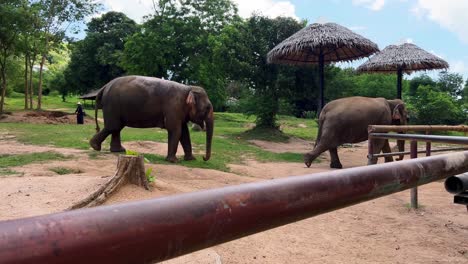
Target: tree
[[30, 43], [432, 107], [95, 60], [269, 82], [58, 16], [451, 83], [420, 81], [177, 43], [11, 23]]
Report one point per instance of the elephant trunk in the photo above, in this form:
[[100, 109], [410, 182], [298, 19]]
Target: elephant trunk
[[209, 121]]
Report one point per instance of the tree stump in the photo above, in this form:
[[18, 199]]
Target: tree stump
[[130, 169]]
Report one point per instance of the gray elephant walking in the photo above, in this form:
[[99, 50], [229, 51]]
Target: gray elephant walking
[[346, 120], [144, 102]]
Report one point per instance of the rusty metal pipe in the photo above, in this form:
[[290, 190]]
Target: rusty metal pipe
[[419, 151], [163, 228], [427, 138], [414, 190], [382, 128], [457, 184]]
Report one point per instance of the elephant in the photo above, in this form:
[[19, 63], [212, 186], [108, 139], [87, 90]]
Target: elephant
[[144, 102], [346, 120]]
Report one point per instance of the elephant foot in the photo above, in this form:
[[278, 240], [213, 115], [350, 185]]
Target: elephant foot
[[117, 149], [95, 145], [189, 157], [336, 165], [172, 159]]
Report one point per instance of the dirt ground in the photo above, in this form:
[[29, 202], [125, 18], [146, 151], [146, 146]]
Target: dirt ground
[[379, 231]]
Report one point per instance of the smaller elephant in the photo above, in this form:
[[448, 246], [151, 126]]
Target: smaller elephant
[[346, 120], [144, 102]]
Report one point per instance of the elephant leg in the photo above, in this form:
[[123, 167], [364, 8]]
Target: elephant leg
[[186, 143], [311, 156], [98, 138], [378, 144], [335, 160], [173, 143], [386, 149], [116, 144]]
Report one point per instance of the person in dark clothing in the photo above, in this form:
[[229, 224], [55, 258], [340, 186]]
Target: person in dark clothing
[[79, 114]]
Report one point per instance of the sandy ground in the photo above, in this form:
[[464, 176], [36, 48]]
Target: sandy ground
[[379, 231]]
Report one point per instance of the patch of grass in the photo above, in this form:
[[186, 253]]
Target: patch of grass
[[23, 159], [48, 102], [267, 134], [8, 172], [230, 142], [63, 170], [95, 155]]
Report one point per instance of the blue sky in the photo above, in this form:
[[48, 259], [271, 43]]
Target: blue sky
[[438, 26]]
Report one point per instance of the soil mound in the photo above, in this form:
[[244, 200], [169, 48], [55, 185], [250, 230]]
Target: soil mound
[[42, 117]]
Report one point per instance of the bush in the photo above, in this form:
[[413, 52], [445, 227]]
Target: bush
[[431, 107]]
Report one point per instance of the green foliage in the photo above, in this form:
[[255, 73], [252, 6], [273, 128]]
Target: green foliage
[[451, 83], [96, 59], [431, 106], [8, 172], [148, 175], [131, 152], [63, 170], [268, 82], [420, 81], [23, 159], [310, 114]]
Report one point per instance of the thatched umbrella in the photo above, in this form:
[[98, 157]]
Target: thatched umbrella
[[404, 58], [321, 43]]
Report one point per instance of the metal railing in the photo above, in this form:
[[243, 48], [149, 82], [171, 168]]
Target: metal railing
[[167, 227], [414, 138], [425, 128]]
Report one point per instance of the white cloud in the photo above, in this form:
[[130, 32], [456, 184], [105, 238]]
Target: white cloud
[[374, 5], [459, 66], [136, 9], [270, 8], [451, 15]]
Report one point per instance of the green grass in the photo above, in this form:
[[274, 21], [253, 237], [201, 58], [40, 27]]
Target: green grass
[[230, 143], [63, 170], [23, 159], [48, 102], [8, 172]]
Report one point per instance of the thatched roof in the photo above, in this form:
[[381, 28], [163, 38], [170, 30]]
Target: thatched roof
[[336, 42], [407, 57], [91, 95]]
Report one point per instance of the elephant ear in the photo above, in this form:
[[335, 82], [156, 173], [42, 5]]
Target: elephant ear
[[396, 112], [190, 99]]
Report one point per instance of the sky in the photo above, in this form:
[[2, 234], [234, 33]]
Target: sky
[[437, 26]]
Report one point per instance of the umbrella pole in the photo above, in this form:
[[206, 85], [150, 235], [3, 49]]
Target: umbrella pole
[[399, 81], [322, 82]]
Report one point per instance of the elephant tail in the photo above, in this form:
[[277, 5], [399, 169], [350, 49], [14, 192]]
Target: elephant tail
[[319, 134], [98, 105]]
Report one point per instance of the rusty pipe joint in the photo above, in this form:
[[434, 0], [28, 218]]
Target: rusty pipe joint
[[457, 184]]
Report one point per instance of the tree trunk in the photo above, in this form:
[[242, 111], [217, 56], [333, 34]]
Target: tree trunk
[[129, 169], [31, 90], [4, 84], [26, 88], [39, 89]]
